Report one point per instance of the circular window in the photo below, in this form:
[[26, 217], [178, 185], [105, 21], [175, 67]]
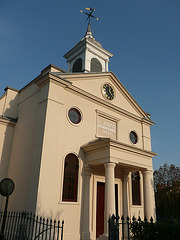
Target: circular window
[[74, 115], [133, 137]]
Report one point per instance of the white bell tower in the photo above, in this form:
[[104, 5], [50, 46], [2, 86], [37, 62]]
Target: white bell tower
[[88, 55]]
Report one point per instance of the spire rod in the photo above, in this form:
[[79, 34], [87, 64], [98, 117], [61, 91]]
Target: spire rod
[[89, 32]]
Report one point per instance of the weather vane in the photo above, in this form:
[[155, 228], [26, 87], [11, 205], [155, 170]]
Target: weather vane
[[89, 14]]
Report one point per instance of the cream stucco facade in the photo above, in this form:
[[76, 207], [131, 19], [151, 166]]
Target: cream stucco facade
[[37, 134]]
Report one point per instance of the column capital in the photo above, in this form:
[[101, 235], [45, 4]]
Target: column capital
[[88, 170], [125, 176], [109, 165], [147, 173]]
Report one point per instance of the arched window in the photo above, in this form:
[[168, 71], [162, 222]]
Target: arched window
[[70, 183], [77, 67], [96, 65], [136, 196]]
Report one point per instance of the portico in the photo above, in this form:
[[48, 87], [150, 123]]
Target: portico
[[110, 154]]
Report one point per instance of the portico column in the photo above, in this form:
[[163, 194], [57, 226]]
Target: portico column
[[125, 195], [149, 202], [109, 195], [86, 217]]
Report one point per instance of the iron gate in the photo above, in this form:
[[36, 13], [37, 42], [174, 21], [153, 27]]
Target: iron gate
[[28, 226]]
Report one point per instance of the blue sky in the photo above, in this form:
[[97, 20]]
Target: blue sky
[[143, 35]]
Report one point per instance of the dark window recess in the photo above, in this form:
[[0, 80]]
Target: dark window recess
[[77, 67], [74, 115], [133, 137], [96, 65], [70, 183], [116, 199], [136, 196]]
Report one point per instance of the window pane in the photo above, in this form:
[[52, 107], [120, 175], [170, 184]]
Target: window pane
[[71, 168], [74, 115], [96, 65], [136, 199], [133, 137], [77, 67]]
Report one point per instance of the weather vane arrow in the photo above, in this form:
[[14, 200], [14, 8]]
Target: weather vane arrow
[[89, 14]]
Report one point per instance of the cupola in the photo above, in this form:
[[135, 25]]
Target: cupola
[[88, 55]]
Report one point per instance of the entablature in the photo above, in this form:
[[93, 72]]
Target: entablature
[[105, 150]]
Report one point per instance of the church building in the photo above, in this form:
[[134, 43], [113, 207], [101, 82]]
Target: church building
[[77, 145]]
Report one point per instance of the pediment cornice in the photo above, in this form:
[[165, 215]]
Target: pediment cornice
[[68, 79], [112, 77]]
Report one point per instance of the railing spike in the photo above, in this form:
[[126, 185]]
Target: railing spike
[[113, 216], [133, 218]]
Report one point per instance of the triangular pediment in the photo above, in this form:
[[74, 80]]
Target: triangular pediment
[[92, 83]]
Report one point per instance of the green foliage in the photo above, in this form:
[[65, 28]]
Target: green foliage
[[164, 230], [167, 191], [143, 230]]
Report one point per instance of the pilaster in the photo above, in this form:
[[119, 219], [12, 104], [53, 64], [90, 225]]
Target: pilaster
[[125, 180], [86, 222]]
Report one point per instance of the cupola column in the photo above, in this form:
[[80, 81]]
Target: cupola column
[[106, 65]]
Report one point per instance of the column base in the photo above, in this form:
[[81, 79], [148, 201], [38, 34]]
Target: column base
[[103, 237]]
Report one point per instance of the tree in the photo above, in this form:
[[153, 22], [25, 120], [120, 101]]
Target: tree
[[167, 191]]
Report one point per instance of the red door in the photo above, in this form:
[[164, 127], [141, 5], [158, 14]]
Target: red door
[[100, 207]]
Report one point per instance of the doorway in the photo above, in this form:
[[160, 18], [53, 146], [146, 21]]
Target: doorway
[[100, 207]]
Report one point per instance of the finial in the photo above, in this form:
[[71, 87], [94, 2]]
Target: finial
[[88, 32]]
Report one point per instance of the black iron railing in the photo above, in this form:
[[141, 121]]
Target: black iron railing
[[138, 229], [28, 226]]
